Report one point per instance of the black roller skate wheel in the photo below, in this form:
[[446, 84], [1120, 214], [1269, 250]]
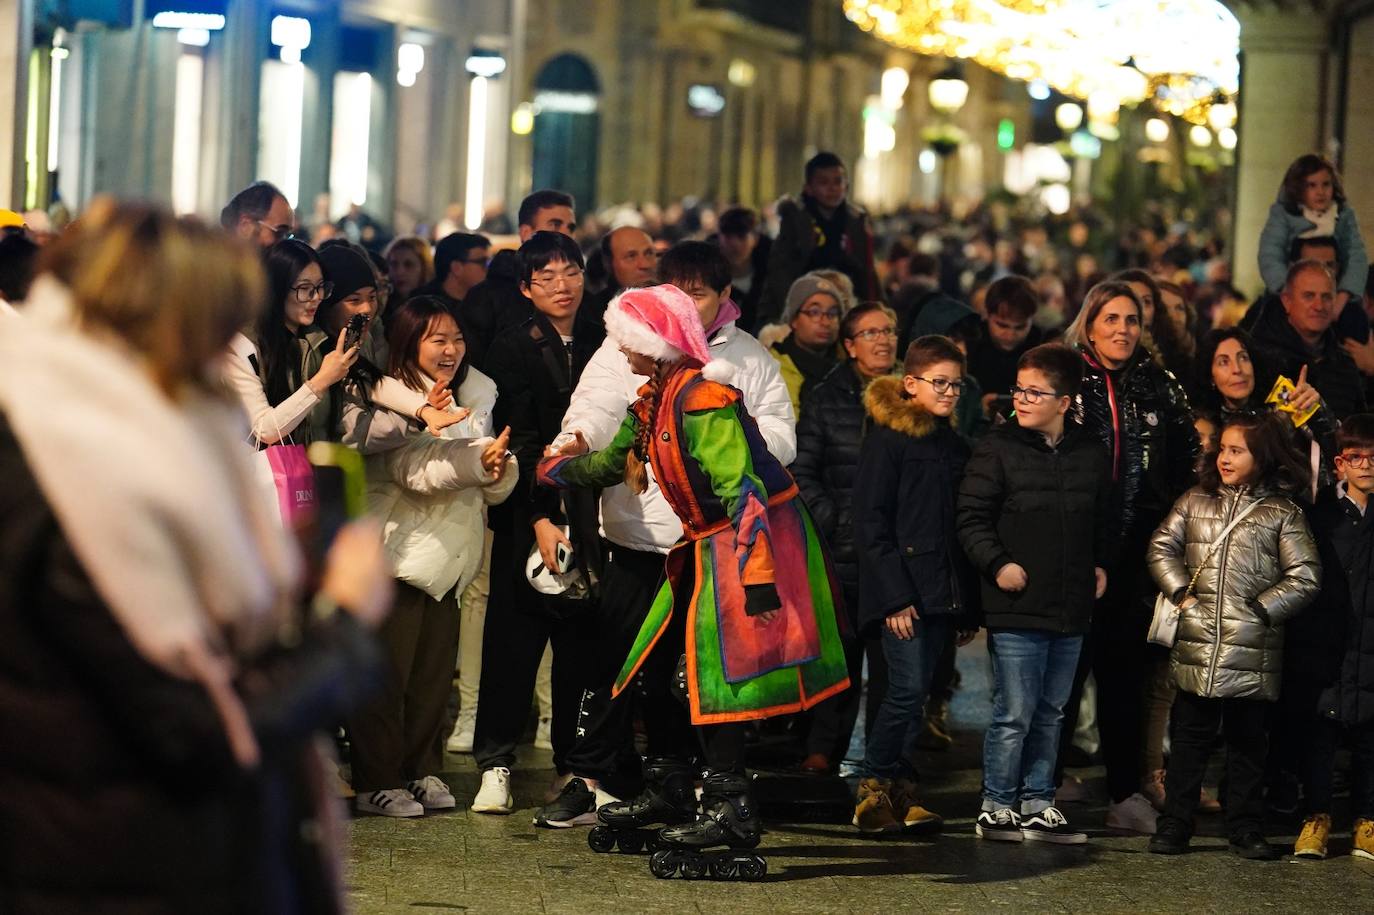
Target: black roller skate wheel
[[694, 868], [753, 869], [662, 865], [600, 839], [722, 869], [631, 844]]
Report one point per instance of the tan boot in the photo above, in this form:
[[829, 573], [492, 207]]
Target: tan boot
[[1312, 840], [1363, 839], [874, 813], [912, 814]]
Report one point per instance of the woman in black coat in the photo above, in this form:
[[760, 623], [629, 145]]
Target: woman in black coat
[[829, 435], [1140, 414]]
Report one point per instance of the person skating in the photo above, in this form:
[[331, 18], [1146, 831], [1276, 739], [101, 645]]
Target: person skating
[[746, 619]]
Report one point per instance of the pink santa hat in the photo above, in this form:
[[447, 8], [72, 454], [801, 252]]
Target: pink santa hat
[[662, 322]]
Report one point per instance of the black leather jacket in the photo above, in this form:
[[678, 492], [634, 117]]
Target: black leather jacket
[[1140, 414]]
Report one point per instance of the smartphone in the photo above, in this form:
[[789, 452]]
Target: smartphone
[[563, 557], [340, 497], [353, 335]]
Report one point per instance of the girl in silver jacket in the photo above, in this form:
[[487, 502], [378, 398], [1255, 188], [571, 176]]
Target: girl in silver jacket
[[1234, 595]]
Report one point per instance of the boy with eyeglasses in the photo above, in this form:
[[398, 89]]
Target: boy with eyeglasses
[[1329, 651], [1033, 519], [815, 308], [915, 585]]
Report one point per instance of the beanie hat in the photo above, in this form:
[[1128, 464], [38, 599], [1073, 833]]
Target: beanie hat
[[348, 270], [662, 322], [807, 285]]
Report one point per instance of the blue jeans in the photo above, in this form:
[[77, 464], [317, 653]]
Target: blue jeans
[[1032, 676], [910, 666]]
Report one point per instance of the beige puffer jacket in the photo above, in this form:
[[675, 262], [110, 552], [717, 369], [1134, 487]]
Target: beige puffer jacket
[[1230, 643]]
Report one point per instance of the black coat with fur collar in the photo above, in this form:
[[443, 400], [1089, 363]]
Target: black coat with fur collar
[[904, 511]]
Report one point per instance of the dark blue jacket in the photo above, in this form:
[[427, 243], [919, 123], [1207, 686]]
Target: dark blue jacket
[[909, 555]]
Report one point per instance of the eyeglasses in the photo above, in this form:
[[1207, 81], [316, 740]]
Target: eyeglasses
[[1032, 395], [830, 314], [551, 282], [942, 385], [478, 261], [280, 233], [306, 292], [875, 333], [1360, 459]]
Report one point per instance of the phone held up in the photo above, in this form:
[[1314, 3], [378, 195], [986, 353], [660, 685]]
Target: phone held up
[[353, 334]]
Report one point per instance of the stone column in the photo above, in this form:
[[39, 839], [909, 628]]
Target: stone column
[[1284, 56], [1357, 165], [16, 42]]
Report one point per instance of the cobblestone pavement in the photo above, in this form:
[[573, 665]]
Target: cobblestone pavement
[[471, 862]]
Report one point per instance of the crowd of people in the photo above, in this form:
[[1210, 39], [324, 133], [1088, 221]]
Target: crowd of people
[[675, 482]]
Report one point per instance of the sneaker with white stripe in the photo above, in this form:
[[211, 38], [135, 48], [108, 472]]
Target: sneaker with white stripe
[[432, 793], [1049, 825], [390, 802]]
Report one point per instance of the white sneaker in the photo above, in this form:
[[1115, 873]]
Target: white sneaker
[[494, 795], [543, 735], [1135, 814], [432, 793], [391, 802], [460, 741]]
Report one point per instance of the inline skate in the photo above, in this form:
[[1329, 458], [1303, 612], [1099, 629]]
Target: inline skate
[[729, 819], [669, 797]]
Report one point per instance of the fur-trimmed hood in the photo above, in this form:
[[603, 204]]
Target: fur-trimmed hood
[[887, 402]]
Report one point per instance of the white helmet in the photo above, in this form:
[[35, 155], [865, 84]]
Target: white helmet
[[569, 583]]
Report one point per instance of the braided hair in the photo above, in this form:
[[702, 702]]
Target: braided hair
[[636, 472]]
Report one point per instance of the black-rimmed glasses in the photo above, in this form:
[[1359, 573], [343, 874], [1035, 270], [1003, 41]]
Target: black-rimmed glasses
[[1032, 395]]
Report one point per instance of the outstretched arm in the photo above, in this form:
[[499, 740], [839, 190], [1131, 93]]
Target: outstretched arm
[[592, 470]]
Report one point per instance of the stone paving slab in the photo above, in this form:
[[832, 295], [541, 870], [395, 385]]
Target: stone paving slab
[[466, 862]]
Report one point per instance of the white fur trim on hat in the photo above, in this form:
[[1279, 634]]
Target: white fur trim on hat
[[636, 336], [719, 370]]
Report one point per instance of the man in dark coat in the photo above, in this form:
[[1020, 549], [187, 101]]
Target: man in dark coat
[[1301, 334], [536, 365], [820, 230]]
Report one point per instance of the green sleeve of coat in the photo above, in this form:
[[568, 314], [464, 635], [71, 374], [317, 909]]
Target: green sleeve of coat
[[596, 469]]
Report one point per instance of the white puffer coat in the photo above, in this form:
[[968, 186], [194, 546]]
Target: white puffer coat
[[429, 495]]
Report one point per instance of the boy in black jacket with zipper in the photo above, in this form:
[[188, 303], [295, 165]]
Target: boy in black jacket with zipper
[[915, 584], [1033, 519]]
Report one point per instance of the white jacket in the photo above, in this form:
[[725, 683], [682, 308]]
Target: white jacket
[[605, 392], [429, 494], [269, 424]]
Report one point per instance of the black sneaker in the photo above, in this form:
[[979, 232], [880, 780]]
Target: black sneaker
[[1049, 825], [1253, 846], [574, 806], [1171, 837], [1002, 825]]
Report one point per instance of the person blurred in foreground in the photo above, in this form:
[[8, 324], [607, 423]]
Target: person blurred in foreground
[[161, 680]]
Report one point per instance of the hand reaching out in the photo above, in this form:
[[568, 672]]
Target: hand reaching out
[[494, 455]]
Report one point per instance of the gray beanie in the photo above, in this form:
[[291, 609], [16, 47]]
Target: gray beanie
[[807, 285]]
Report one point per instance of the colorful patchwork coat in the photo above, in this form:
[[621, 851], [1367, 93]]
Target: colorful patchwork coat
[[749, 545]]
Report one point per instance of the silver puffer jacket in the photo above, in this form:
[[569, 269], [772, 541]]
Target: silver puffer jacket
[[1230, 643]]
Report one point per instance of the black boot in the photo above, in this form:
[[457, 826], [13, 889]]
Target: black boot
[[1171, 837], [728, 818], [1253, 846], [669, 797]]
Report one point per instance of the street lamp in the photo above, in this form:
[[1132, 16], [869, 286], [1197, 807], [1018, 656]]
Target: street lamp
[[1068, 116], [948, 90]]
